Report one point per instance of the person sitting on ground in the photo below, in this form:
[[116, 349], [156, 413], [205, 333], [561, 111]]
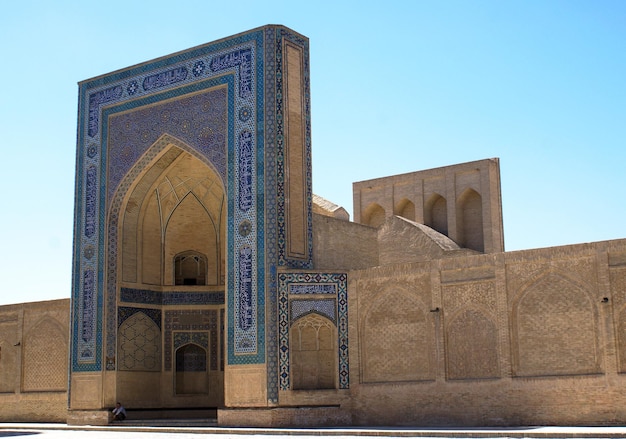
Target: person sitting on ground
[[119, 412]]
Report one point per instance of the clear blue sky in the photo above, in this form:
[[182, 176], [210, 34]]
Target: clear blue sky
[[397, 86]]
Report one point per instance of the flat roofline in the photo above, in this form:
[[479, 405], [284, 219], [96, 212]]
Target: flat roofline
[[439, 168]]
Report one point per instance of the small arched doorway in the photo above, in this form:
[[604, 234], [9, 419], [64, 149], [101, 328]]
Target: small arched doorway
[[191, 370]]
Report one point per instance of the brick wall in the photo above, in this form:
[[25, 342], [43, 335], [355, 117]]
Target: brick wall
[[521, 338], [33, 361]]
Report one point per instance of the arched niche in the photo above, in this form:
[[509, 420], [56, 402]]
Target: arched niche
[[436, 214], [313, 353], [139, 340], [191, 370], [374, 215], [554, 329], [406, 209], [396, 339], [190, 268], [176, 204], [470, 220]]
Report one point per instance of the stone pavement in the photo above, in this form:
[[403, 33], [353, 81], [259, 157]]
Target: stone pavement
[[120, 431]]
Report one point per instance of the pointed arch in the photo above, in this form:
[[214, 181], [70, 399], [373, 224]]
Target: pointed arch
[[470, 220], [406, 209], [554, 328], [130, 203], [147, 197], [374, 215], [313, 353], [191, 370], [139, 340], [436, 214], [45, 357], [396, 339]]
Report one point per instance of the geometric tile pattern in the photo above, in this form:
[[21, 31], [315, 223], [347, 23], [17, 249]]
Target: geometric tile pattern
[[325, 307], [275, 232], [169, 101], [109, 157], [139, 344], [191, 326], [45, 357], [302, 294], [135, 295]]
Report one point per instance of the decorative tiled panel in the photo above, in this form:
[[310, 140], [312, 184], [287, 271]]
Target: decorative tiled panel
[[300, 294], [275, 230], [283, 37], [191, 326], [183, 338], [271, 232], [210, 102], [124, 312], [149, 297], [325, 307], [139, 339], [198, 118], [202, 93]]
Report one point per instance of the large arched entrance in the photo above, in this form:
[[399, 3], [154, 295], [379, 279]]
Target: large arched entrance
[[170, 271]]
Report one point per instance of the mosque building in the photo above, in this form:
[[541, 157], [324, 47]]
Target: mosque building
[[207, 275]]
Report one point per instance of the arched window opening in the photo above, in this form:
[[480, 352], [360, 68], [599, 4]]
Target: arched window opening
[[190, 268]]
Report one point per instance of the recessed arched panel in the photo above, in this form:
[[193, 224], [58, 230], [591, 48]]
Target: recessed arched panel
[[373, 215], [8, 366], [45, 357], [313, 353], [151, 244], [621, 334], [191, 367], [191, 229], [396, 340], [139, 341], [406, 209], [436, 214], [470, 220], [554, 329]]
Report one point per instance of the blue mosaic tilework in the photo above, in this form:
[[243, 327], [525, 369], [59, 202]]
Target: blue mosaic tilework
[[234, 67], [204, 129], [326, 308], [149, 297], [199, 338], [249, 68], [146, 160], [193, 364], [283, 260], [275, 191], [191, 322], [297, 289], [271, 256], [124, 312]]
